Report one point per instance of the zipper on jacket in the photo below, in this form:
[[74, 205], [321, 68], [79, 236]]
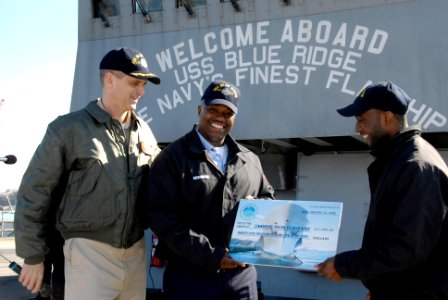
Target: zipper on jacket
[[127, 150], [123, 146]]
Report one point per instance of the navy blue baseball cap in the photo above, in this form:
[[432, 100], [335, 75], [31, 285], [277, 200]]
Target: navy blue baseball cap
[[385, 96], [129, 61], [222, 92]]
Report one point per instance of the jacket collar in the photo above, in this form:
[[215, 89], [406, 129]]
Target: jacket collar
[[196, 145], [102, 116], [407, 134]]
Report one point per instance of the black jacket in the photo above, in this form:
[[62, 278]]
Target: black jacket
[[404, 254], [192, 205]]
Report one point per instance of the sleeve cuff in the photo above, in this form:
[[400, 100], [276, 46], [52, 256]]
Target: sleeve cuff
[[34, 260]]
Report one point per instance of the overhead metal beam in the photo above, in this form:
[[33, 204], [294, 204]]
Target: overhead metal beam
[[236, 6], [146, 16], [187, 4]]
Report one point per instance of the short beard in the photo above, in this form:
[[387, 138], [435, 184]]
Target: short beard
[[379, 141]]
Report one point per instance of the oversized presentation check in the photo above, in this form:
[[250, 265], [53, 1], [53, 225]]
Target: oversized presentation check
[[285, 233]]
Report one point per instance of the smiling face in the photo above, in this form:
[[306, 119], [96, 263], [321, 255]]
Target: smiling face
[[376, 126], [215, 122], [127, 90], [121, 93]]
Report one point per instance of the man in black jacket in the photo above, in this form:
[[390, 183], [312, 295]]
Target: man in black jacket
[[405, 245], [194, 188]]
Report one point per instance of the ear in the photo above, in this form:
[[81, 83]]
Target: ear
[[199, 110], [391, 123], [108, 78]]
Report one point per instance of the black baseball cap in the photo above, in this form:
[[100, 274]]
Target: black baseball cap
[[129, 61], [222, 92], [385, 96]]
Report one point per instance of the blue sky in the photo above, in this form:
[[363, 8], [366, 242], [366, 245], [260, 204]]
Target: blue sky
[[37, 62]]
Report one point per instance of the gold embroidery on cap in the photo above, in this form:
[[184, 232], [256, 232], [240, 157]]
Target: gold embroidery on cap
[[226, 89], [139, 60], [363, 92], [143, 74]]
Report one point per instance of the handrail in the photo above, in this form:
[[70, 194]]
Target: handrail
[[6, 223]]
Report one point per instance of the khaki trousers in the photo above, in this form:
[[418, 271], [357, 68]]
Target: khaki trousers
[[98, 271]]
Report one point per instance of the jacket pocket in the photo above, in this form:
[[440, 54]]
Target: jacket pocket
[[89, 202]]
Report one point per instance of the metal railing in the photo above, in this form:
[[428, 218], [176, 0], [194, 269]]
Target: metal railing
[[6, 223]]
